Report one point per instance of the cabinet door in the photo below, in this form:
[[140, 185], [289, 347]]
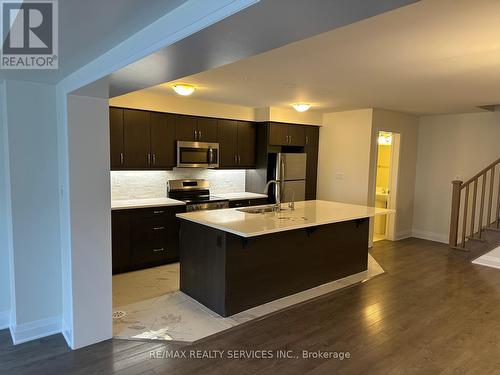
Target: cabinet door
[[278, 134], [120, 239], [185, 128], [228, 143], [136, 139], [207, 129], [296, 135], [116, 137], [163, 148], [312, 135], [311, 172], [247, 144]]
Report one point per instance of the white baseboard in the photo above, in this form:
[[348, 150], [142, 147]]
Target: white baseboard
[[35, 330], [402, 235], [431, 236], [4, 319], [67, 333], [488, 261]]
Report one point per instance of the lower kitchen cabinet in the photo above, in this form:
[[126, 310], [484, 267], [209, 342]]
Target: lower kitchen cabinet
[[248, 202], [144, 237]]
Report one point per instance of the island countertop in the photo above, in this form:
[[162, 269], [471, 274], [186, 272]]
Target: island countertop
[[127, 204], [306, 214]]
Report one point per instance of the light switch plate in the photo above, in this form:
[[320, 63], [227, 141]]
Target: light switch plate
[[339, 175]]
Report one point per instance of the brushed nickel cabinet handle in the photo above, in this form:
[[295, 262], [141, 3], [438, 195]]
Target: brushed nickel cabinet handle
[[154, 159], [200, 134], [158, 250], [307, 140], [158, 212], [121, 158], [158, 228], [195, 135], [149, 158]]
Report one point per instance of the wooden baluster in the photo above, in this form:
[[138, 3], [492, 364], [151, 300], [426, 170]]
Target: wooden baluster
[[481, 211], [455, 212], [466, 206], [490, 200], [473, 214], [498, 205]]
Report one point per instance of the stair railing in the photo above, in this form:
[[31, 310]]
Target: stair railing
[[469, 215]]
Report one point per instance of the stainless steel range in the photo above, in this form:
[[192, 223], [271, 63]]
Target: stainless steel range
[[196, 194]]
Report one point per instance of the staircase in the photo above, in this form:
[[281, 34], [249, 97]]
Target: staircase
[[475, 212]]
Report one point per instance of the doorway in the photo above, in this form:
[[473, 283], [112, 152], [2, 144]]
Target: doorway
[[388, 144]]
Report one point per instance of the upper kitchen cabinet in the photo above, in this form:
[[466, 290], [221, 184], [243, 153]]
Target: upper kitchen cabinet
[[247, 144], [116, 137], [163, 145], [228, 143], [207, 129], [136, 139], [186, 128], [311, 135], [286, 134], [195, 129], [237, 141], [141, 139]]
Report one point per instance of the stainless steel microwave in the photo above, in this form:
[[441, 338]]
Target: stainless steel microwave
[[197, 154]]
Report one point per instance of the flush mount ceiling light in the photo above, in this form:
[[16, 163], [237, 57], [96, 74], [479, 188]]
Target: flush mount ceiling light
[[301, 107], [183, 89], [385, 139]]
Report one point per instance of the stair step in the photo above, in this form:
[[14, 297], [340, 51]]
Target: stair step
[[494, 229], [476, 239]]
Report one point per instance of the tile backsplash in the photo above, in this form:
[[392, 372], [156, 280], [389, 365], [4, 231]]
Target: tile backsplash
[[153, 184]]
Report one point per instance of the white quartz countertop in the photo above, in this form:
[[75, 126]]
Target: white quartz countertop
[[238, 196], [306, 214], [126, 204]]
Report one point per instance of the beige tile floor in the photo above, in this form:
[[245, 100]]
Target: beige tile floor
[[132, 287], [176, 316]]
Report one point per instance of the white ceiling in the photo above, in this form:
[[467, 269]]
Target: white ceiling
[[434, 56], [88, 28]]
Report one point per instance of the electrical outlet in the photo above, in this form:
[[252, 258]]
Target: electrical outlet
[[339, 176]]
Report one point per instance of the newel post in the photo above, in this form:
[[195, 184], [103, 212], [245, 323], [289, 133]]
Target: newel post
[[455, 212]]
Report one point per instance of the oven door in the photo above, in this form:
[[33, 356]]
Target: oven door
[[197, 155]]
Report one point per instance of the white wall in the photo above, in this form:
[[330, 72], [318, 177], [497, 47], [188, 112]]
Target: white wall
[[153, 101], [88, 125], [310, 117], [449, 146], [407, 126], [32, 147], [344, 156], [5, 221]]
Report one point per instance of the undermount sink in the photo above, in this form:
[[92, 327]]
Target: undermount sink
[[257, 210]]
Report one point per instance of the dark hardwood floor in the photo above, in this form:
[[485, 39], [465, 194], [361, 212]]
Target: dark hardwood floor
[[433, 312]]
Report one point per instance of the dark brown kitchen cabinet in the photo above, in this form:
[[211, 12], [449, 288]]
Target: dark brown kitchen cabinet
[[195, 129], [186, 128], [144, 237], [247, 140], [207, 129], [163, 145], [286, 134], [311, 135], [141, 139], [278, 134], [228, 143], [311, 172], [136, 139], [237, 141], [116, 137]]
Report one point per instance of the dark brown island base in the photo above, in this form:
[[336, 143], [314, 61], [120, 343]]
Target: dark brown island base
[[231, 261]]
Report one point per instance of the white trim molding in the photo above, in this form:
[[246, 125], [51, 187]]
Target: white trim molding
[[4, 319], [488, 261], [401, 235], [431, 236], [35, 330]]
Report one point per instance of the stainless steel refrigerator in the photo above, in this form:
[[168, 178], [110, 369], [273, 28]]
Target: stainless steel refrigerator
[[290, 168]]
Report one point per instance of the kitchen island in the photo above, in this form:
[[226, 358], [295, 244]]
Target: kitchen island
[[232, 260]]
